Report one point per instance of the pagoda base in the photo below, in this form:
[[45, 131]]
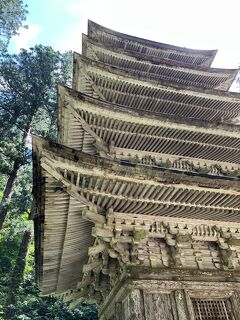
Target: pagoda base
[[192, 296]]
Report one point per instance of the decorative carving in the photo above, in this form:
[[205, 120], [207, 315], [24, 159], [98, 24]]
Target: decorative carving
[[134, 240], [185, 165]]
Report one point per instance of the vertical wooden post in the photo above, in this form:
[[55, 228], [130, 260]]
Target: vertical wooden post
[[189, 306], [119, 315], [235, 303], [181, 305], [136, 305]]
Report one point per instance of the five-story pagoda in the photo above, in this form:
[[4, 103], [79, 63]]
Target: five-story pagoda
[[138, 204]]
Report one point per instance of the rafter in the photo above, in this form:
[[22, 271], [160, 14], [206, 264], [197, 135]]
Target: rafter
[[137, 93], [161, 71], [100, 144], [71, 189]]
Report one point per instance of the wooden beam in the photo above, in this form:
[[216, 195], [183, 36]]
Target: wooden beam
[[94, 217], [100, 143], [90, 266], [103, 233], [94, 250], [71, 189]]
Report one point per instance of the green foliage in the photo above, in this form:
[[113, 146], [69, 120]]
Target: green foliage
[[28, 104], [12, 15], [49, 308], [30, 305], [28, 85]]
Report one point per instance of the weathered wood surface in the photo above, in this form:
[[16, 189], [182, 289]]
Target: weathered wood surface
[[149, 194], [176, 305], [181, 305], [136, 306], [119, 311], [152, 49], [235, 303], [120, 133], [189, 306], [96, 80], [158, 306], [132, 237], [162, 71], [144, 153]]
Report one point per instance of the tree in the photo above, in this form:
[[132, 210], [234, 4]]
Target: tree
[[27, 102], [12, 15], [18, 273]]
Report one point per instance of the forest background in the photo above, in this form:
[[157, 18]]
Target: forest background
[[28, 82]]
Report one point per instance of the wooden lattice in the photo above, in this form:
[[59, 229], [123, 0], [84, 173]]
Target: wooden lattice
[[211, 309]]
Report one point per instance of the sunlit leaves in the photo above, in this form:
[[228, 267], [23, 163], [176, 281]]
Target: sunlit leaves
[[12, 15]]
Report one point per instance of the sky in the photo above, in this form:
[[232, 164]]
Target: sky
[[204, 24]]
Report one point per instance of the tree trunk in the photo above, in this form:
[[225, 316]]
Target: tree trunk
[[17, 274], [8, 191], [12, 178]]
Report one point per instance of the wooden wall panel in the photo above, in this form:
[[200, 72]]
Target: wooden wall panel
[[158, 306]]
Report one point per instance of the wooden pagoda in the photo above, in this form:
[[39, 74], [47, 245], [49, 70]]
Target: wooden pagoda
[[138, 204]]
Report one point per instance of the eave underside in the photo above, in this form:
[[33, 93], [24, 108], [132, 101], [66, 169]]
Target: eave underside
[[203, 78], [89, 126], [79, 188], [110, 38], [114, 86], [62, 235], [134, 196]]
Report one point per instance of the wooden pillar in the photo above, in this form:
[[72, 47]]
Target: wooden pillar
[[235, 303], [136, 305], [119, 311], [181, 305]]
